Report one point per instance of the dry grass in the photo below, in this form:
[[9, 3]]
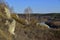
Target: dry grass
[[5, 35], [56, 23], [36, 33], [28, 32]]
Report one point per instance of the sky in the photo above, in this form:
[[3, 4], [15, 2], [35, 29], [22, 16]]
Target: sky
[[37, 6]]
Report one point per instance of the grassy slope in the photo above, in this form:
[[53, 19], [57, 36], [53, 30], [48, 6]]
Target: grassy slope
[[36, 33], [25, 32]]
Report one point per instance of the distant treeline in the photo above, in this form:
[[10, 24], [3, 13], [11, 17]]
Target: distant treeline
[[38, 14]]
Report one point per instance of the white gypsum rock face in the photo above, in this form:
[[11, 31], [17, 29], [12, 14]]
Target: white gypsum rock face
[[11, 24], [7, 13], [12, 27], [43, 25]]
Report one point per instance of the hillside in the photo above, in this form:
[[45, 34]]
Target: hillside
[[17, 27], [28, 32]]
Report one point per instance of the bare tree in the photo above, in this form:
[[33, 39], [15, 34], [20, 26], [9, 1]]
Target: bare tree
[[28, 11]]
